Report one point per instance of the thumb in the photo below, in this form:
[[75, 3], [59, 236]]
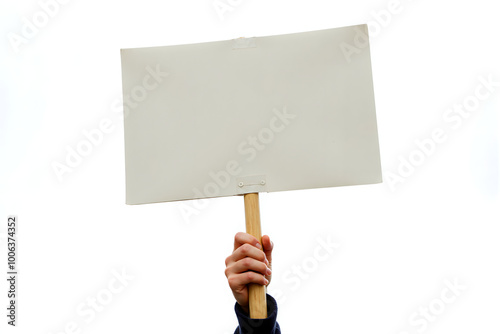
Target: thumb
[[268, 246]]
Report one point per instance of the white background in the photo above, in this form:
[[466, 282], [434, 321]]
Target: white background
[[397, 245]]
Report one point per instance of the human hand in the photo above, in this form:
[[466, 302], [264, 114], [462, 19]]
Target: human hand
[[249, 263]]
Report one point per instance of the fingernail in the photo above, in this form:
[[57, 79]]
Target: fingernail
[[266, 262], [258, 246], [268, 272], [267, 282]]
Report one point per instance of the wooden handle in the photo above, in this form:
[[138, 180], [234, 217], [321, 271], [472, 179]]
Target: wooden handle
[[257, 292]]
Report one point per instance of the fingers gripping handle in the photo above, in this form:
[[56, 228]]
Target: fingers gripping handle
[[257, 292]]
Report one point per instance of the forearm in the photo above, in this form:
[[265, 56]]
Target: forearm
[[258, 326]]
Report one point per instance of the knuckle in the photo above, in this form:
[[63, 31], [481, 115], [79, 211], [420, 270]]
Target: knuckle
[[231, 282], [246, 262], [245, 249]]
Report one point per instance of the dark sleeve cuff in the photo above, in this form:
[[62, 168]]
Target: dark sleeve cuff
[[258, 326]]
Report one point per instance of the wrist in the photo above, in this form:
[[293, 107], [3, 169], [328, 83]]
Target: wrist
[[245, 309]]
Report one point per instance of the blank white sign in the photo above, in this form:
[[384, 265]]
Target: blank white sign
[[257, 114]]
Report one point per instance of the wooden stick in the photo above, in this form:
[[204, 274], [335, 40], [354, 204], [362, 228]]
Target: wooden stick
[[257, 292]]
